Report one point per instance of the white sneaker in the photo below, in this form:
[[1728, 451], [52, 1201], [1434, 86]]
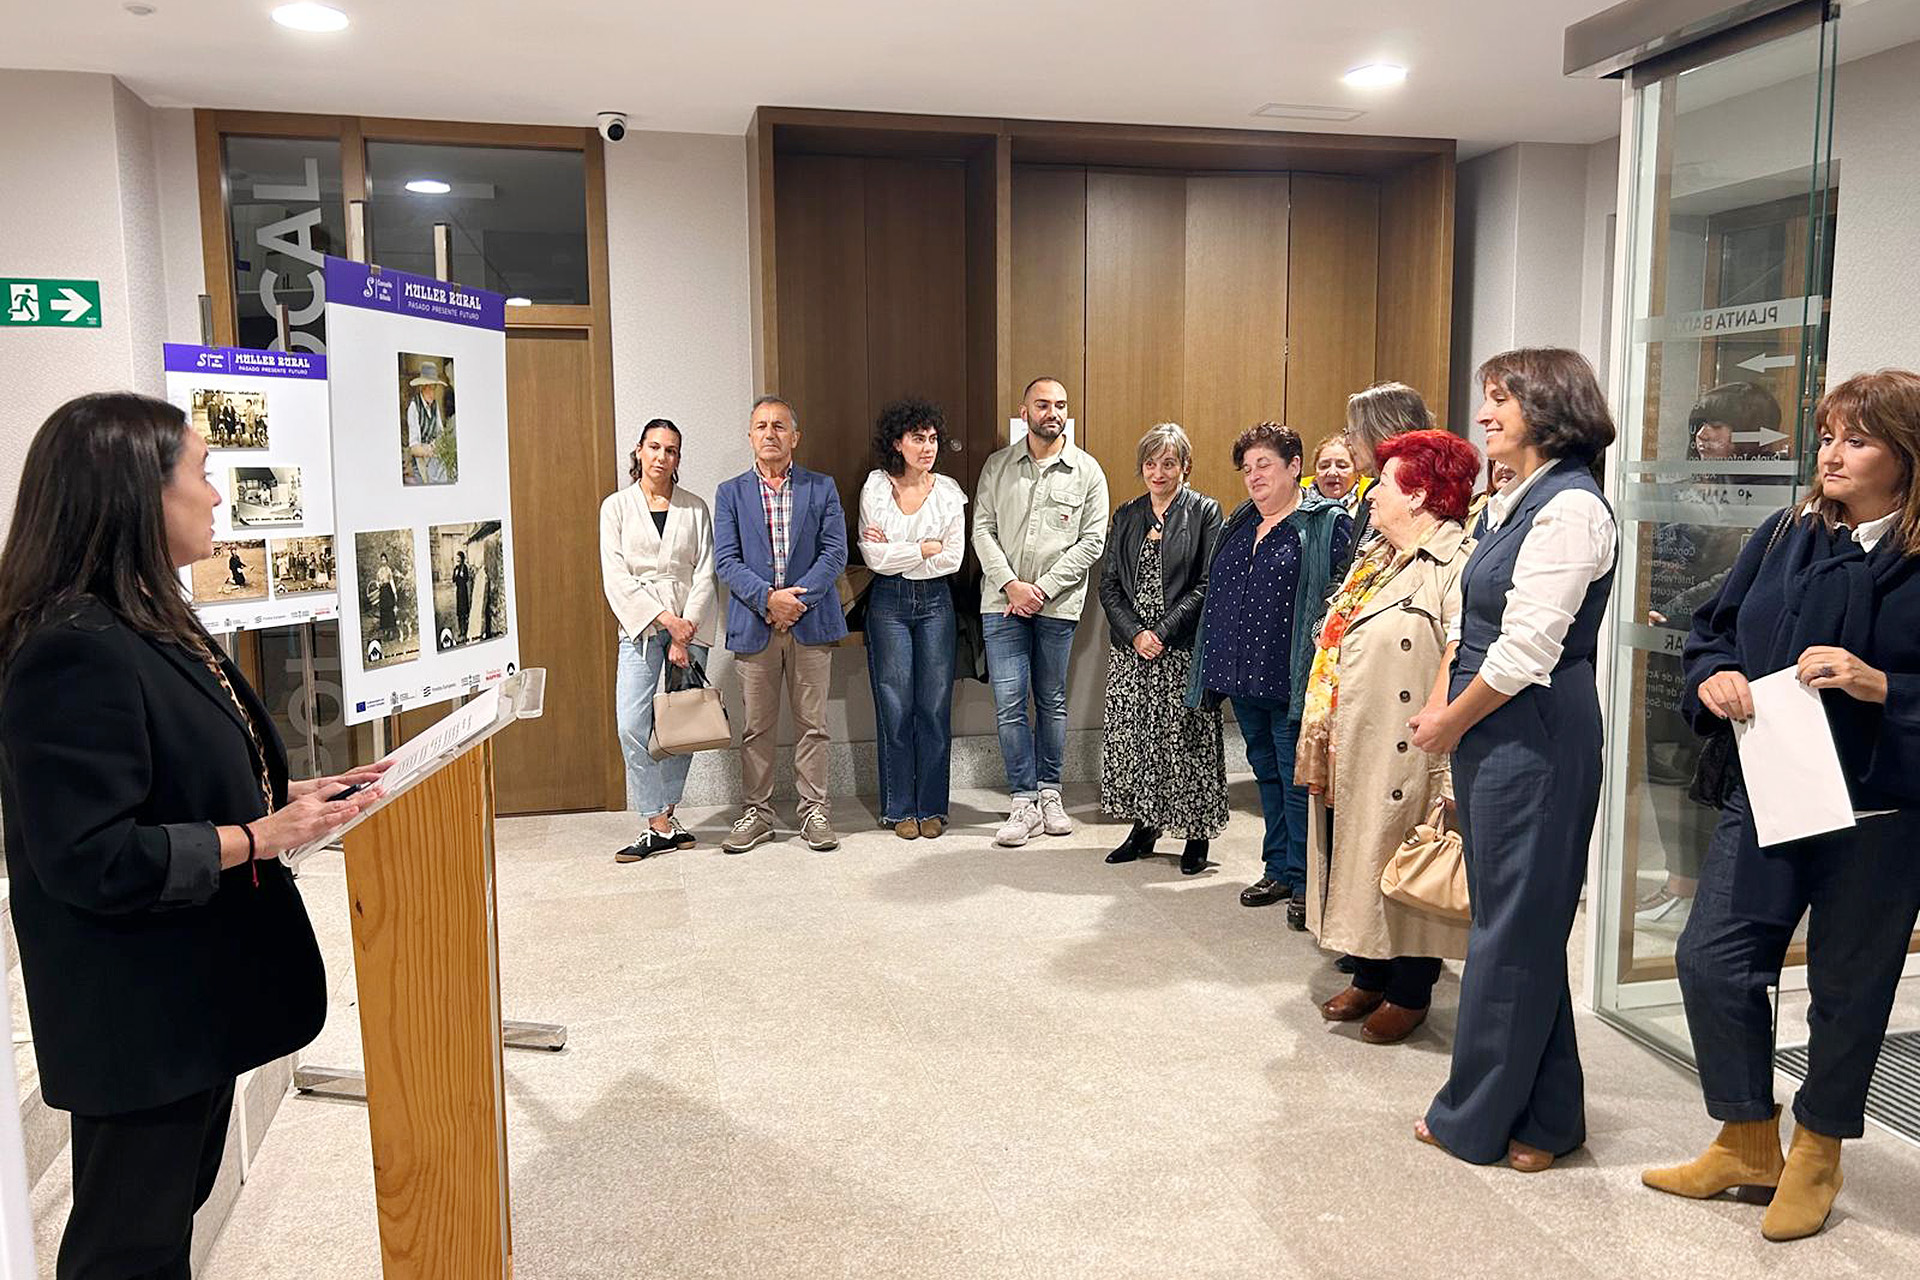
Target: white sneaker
[[1662, 904], [1053, 814], [1023, 822]]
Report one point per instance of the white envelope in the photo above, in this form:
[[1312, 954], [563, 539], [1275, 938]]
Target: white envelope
[[1791, 765]]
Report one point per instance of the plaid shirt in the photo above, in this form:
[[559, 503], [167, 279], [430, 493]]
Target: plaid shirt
[[778, 504]]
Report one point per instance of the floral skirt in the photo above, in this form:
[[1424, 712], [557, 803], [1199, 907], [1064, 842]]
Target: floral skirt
[[1161, 764]]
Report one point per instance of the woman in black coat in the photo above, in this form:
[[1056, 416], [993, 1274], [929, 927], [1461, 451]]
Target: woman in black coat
[[1829, 588], [1162, 763], [164, 948]]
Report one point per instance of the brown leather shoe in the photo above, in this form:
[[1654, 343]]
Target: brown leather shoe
[[1391, 1023], [1351, 1005], [907, 829], [930, 828]]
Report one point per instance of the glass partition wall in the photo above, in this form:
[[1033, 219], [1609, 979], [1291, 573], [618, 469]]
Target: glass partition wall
[[1731, 200]]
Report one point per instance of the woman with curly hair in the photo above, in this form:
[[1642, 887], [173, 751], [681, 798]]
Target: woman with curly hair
[[912, 522]]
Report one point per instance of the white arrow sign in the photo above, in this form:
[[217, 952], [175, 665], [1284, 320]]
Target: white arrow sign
[[70, 305], [1760, 364], [1765, 437]]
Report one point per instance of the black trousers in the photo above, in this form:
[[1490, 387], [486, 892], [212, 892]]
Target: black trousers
[[1860, 890], [137, 1179], [1406, 980]]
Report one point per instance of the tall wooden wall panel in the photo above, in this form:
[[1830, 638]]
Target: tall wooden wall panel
[[1136, 316], [916, 297], [1049, 303], [1416, 280], [820, 260], [989, 310], [1236, 319], [1333, 279]]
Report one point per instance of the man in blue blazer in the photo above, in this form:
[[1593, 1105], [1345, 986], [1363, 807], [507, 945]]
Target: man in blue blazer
[[779, 546]]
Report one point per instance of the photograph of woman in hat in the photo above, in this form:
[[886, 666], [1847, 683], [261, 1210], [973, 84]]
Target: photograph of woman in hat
[[427, 451]]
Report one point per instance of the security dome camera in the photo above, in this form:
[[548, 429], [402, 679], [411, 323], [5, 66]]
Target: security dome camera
[[613, 125]]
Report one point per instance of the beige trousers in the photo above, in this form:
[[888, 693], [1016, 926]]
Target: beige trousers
[[806, 671]]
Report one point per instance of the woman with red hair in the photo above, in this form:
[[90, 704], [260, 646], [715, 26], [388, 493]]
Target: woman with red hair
[[1381, 648]]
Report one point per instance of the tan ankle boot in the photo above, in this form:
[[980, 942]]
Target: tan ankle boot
[[1807, 1187], [1746, 1154]]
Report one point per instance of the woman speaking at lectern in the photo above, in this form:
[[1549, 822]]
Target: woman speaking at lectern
[[165, 949]]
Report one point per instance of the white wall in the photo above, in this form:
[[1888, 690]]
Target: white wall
[[1876, 263], [82, 160]]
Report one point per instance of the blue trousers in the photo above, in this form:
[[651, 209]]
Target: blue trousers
[[1527, 781], [1271, 739], [911, 634], [1028, 656], [1861, 892], [653, 786]]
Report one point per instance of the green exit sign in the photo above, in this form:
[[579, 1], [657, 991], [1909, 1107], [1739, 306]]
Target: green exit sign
[[52, 304]]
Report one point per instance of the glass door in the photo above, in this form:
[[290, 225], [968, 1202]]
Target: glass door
[[1732, 201]]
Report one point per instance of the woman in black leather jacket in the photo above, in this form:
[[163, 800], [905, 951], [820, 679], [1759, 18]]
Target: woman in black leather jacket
[[1162, 764]]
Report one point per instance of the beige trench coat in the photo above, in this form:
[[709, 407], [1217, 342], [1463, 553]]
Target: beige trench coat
[[1383, 784]]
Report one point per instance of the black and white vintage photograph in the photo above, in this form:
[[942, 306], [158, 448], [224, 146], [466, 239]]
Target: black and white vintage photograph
[[429, 447], [230, 419], [235, 572], [301, 565], [263, 497], [389, 599], [469, 583]]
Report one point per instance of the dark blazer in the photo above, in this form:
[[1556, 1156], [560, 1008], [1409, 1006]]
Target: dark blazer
[[743, 558], [1817, 587], [150, 973], [1189, 535]]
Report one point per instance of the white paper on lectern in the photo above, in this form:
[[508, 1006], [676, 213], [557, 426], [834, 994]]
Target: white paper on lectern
[[1791, 765]]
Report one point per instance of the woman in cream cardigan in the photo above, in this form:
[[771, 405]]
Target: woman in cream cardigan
[[656, 566]]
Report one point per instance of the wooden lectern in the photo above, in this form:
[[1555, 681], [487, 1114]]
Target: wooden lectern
[[420, 877]]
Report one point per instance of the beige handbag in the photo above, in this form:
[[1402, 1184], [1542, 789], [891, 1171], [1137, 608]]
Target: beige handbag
[[689, 719], [1428, 872]]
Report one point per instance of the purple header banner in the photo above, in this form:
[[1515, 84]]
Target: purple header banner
[[355, 284], [182, 358]]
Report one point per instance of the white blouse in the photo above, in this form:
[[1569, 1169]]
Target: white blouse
[[1568, 549], [941, 517]]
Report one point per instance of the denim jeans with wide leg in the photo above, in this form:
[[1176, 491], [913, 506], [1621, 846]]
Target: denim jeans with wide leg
[[653, 786], [911, 634], [1271, 738], [1028, 656]]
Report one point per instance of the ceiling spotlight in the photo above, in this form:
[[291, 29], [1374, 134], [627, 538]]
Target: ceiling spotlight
[[1375, 75], [308, 15], [139, 10], [428, 187], [519, 302]]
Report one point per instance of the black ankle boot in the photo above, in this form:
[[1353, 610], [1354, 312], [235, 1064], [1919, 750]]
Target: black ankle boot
[[1139, 840], [1193, 859]]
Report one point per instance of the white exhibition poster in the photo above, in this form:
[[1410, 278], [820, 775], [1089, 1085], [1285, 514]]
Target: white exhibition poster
[[1790, 762], [263, 415], [418, 385]]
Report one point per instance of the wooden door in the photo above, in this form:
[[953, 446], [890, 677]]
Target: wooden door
[[558, 762]]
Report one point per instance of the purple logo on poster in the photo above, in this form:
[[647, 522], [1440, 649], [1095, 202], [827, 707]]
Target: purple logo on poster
[[183, 358], [355, 284]]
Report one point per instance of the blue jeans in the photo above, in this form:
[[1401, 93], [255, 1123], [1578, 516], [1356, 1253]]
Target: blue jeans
[[1029, 655], [911, 634], [1271, 738], [653, 786]]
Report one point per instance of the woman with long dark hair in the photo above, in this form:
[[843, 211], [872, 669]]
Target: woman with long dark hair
[[164, 947]]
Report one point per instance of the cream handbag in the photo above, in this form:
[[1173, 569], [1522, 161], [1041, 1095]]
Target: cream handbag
[[688, 719], [1428, 872]]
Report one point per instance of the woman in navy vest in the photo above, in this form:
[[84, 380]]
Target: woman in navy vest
[[1831, 589], [1521, 715]]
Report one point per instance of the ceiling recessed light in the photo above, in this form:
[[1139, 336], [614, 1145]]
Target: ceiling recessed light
[[428, 187], [1375, 75], [1298, 111], [308, 15], [139, 10], [519, 302]]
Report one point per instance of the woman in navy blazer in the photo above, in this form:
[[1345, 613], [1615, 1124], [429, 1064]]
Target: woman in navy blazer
[[1830, 589], [164, 947]]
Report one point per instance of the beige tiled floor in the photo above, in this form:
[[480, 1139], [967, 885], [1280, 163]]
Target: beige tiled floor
[[946, 1059]]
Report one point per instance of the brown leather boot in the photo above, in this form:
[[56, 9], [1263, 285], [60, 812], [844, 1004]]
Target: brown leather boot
[[1807, 1188], [1746, 1156], [1351, 1005]]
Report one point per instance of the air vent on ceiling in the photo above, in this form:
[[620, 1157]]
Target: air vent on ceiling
[[1295, 111]]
